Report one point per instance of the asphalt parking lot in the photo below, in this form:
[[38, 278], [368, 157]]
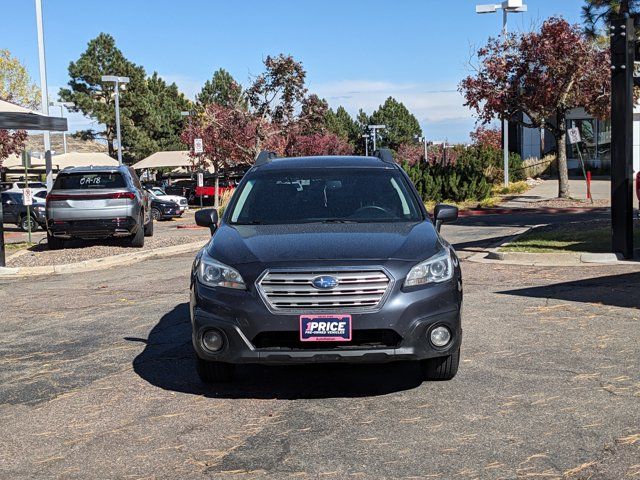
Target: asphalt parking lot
[[98, 382]]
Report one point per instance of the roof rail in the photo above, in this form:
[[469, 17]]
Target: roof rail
[[264, 157], [384, 154]]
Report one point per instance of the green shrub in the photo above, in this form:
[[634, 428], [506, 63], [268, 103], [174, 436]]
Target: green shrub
[[469, 177]]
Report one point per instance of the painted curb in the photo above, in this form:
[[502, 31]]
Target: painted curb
[[100, 263], [529, 211]]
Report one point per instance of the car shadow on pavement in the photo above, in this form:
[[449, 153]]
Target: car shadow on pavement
[[614, 290], [168, 362]]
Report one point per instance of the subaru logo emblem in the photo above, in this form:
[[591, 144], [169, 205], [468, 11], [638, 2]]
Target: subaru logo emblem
[[325, 282]]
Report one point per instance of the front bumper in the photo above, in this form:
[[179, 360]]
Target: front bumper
[[405, 321]]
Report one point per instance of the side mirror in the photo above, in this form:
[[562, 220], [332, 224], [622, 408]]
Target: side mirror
[[444, 214], [207, 217]]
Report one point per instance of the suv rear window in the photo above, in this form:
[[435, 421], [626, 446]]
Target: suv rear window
[[89, 181]]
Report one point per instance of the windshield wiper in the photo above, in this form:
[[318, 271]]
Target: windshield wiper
[[252, 222], [337, 220]]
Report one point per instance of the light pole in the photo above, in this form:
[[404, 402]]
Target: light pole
[[426, 147], [507, 7], [44, 95], [61, 105], [117, 81], [374, 133], [366, 144]]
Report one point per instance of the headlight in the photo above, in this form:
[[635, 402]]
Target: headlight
[[438, 268], [216, 274], [39, 208]]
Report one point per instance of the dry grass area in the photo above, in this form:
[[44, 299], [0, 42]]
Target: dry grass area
[[497, 196], [35, 143]]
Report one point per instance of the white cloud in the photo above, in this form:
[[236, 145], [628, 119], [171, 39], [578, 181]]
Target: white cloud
[[436, 106]]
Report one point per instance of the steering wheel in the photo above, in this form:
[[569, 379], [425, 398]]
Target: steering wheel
[[374, 208]]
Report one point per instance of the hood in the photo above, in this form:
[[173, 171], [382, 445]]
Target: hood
[[237, 244]]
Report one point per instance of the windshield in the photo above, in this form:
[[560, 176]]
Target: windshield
[[158, 191], [314, 195]]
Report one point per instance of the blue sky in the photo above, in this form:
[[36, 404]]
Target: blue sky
[[356, 52]]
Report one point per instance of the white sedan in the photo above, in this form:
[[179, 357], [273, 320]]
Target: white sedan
[[162, 195]]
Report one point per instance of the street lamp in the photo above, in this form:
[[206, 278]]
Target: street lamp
[[507, 7], [374, 132], [426, 146], [61, 105], [366, 144], [117, 81], [44, 95]]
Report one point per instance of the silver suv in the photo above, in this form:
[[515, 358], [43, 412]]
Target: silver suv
[[98, 202]]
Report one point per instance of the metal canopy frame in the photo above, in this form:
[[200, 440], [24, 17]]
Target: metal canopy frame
[[31, 121]]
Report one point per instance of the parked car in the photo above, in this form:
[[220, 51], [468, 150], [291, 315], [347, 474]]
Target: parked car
[[188, 189], [98, 202], [164, 209], [15, 211], [326, 259], [36, 187], [162, 195]]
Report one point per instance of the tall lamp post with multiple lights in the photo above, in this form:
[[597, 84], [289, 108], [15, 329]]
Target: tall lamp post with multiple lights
[[507, 7], [374, 133], [62, 106], [117, 81]]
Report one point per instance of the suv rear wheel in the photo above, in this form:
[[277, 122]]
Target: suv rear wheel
[[54, 243], [441, 368], [215, 372], [137, 239], [148, 228]]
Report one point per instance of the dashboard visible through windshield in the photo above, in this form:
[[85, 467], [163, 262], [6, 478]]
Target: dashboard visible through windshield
[[325, 196]]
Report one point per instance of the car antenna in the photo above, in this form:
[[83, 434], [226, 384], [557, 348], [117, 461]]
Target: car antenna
[[265, 157], [384, 154]]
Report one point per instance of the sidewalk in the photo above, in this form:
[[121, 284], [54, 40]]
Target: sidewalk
[[548, 190]]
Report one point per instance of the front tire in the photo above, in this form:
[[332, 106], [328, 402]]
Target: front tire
[[24, 223], [441, 368], [214, 372], [156, 214]]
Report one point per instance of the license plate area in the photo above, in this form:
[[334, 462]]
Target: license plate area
[[325, 328]]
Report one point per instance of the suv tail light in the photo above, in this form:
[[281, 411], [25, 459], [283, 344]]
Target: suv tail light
[[89, 196]]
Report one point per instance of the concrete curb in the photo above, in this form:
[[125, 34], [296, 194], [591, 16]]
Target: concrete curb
[[100, 263], [569, 259]]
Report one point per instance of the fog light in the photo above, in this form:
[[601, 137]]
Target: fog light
[[212, 340], [440, 336]]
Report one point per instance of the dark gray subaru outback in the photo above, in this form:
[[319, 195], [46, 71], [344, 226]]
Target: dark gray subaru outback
[[326, 259]]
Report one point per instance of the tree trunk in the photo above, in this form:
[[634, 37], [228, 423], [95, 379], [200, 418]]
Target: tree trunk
[[563, 171]]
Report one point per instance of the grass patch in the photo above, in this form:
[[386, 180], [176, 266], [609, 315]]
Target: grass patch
[[14, 247], [515, 188], [590, 236]]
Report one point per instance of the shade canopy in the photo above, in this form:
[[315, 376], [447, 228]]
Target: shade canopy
[[15, 161], [83, 159], [172, 159]]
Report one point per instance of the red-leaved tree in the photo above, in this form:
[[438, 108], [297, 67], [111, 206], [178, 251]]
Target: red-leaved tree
[[410, 152], [487, 137], [317, 144], [11, 142], [542, 75]]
